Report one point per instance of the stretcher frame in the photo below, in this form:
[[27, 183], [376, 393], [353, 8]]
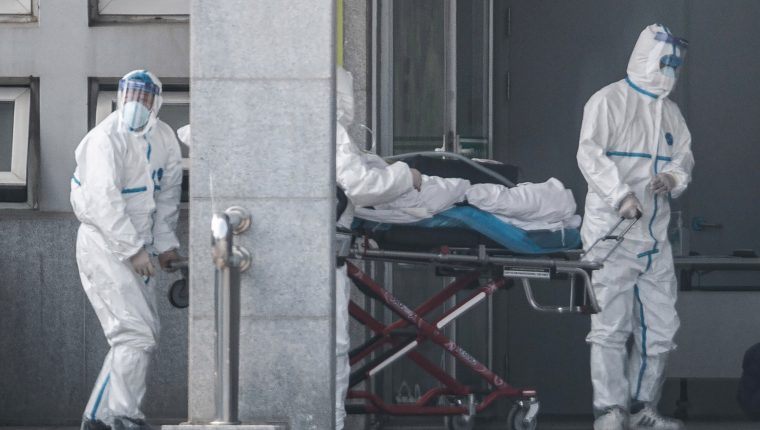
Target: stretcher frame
[[469, 266]]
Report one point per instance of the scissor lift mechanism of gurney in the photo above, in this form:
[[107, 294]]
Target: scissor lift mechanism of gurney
[[470, 265]]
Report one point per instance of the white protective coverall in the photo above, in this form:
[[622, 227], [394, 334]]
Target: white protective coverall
[[631, 131], [125, 191], [367, 180]]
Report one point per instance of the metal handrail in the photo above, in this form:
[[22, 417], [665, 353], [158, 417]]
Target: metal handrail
[[229, 260], [618, 238], [460, 157]]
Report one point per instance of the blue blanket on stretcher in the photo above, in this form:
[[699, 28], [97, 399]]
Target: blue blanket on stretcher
[[513, 238]]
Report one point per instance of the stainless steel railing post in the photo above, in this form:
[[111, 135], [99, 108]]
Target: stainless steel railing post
[[229, 261]]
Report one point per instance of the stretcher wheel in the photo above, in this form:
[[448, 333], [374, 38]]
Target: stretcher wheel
[[179, 294], [462, 422], [516, 417]]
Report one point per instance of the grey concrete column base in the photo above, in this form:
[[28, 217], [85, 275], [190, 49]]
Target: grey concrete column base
[[268, 426]]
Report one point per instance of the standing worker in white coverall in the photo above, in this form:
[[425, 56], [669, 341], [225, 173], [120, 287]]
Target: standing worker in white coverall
[[367, 180], [635, 153], [126, 191]]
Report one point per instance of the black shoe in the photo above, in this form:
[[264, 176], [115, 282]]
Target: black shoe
[[127, 423], [88, 424]]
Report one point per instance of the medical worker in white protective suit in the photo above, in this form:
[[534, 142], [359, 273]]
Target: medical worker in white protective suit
[[367, 180], [125, 191], [635, 153]]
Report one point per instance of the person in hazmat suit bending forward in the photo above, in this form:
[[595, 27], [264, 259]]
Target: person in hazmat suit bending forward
[[635, 153], [367, 180], [125, 191]]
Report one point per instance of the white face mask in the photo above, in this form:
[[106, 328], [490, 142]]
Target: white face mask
[[135, 115], [139, 99]]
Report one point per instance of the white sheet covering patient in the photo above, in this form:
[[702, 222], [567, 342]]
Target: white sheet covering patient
[[530, 206]]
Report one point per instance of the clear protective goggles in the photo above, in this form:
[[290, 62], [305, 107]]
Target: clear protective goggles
[[139, 91], [673, 40], [673, 61], [670, 63]]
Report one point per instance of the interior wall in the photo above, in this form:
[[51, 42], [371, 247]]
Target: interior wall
[[557, 54]]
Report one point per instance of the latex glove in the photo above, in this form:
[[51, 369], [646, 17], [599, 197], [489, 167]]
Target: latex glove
[[141, 263], [630, 207], [416, 179], [166, 258], [662, 183]]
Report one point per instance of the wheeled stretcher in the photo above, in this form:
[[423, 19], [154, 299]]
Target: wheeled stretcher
[[480, 253]]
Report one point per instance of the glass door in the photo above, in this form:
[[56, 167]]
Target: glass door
[[432, 83], [473, 78], [434, 76]]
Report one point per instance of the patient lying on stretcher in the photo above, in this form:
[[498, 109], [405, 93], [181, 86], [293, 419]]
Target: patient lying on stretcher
[[530, 206]]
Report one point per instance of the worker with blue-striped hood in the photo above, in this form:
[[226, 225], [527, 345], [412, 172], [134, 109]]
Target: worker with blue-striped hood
[[635, 153], [125, 191]]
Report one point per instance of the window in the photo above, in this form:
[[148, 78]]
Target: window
[[17, 158], [175, 111], [19, 10], [104, 11]]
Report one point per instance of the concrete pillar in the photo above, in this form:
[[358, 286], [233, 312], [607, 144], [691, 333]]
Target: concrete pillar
[[263, 118]]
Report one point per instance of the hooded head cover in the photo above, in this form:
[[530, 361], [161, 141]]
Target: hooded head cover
[[344, 90], [656, 60], [138, 101]]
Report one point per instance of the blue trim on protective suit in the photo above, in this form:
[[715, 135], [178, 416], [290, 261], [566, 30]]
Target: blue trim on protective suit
[[639, 89], [100, 397], [149, 149], [134, 190], [643, 342], [663, 158], [74, 178], [628, 154], [654, 212], [646, 253]]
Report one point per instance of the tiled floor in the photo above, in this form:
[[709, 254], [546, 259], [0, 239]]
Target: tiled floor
[[552, 425], [587, 425]]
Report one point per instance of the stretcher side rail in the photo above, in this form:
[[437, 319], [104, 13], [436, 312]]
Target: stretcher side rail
[[522, 268], [500, 179]]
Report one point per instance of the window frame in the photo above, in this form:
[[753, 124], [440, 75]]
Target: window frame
[[138, 11], [15, 194], [21, 97], [19, 15]]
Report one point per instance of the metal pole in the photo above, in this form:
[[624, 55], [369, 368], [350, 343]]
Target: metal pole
[[228, 261], [227, 344]]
